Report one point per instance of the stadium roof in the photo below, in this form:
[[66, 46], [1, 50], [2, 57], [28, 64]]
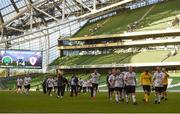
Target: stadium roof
[[16, 14], [40, 14]]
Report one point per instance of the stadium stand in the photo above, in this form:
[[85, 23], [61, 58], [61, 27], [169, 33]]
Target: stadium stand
[[160, 17], [117, 58]]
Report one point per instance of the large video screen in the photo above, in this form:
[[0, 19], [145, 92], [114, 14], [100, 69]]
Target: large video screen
[[20, 59]]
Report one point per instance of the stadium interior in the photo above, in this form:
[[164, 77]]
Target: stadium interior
[[86, 34], [41, 38]]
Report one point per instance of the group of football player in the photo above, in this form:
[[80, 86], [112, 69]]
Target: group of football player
[[123, 84], [57, 84], [75, 85], [23, 84]]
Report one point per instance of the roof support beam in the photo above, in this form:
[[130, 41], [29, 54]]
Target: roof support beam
[[21, 13], [12, 28], [79, 5], [106, 8], [94, 4], [84, 5], [99, 1], [30, 1], [41, 17], [46, 14], [63, 10], [2, 34], [57, 6], [14, 5], [1, 18]]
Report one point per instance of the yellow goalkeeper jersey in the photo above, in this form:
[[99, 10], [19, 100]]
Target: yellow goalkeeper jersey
[[165, 79], [145, 79]]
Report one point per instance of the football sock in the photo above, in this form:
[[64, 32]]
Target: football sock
[[127, 99], [146, 97], [117, 98], [94, 94], [122, 95], [134, 98], [159, 97]]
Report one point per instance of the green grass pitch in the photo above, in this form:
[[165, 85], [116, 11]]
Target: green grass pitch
[[38, 102]]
